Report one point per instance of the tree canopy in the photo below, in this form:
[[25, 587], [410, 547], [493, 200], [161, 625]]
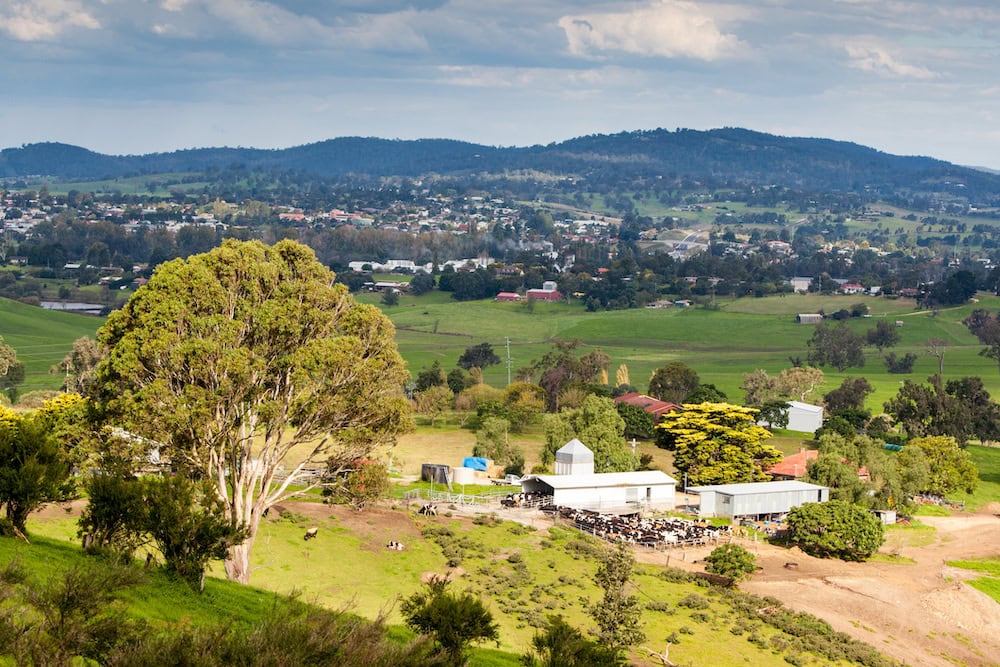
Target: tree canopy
[[596, 424], [837, 346], [834, 529], [478, 356], [718, 443], [232, 358], [673, 382]]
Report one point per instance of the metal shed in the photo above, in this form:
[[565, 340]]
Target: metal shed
[[610, 491], [757, 498]]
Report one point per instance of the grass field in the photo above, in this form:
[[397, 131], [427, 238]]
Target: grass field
[[42, 338], [721, 345], [524, 575], [987, 460]]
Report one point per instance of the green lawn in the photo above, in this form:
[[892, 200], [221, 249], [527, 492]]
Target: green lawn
[[987, 460], [989, 566], [42, 338]]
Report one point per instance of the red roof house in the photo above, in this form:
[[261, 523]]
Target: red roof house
[[654, 406]]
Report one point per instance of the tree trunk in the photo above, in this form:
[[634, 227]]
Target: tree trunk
[[238, 561]]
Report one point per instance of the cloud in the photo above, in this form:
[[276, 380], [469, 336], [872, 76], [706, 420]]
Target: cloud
[[664, 28], [875, 59], [42, 20]]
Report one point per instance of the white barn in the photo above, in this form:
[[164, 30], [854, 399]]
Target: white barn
[[607, 492], [757, 498]]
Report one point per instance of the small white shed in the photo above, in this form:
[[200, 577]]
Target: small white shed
[[804, 417], [609, 491]]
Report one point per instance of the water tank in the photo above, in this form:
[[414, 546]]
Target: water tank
[[463, 476]]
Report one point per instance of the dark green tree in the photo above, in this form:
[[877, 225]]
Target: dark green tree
[[834, 529], [188, 523], [638, 422], [837, 346], [422, 283], [850, 395], [673, 382], [562, 645], [478, 356], [731, 560], [883, 335], [454, 620], [618, 615], [34, 468]]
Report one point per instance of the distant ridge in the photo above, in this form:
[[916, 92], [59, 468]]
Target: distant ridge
[[731, 155]]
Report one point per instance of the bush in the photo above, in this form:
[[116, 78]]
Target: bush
[[694, 601], [835, 529], [731, 560]]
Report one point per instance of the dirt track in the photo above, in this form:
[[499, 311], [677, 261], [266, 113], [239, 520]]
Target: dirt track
[[919, 613]]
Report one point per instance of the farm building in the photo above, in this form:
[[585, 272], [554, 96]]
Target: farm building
[[802, 417], [795, 465], [757, 499], [808, 318], [508, 296], [607, 492]]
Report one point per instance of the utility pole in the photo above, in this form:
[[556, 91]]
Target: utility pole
[[507, 338]]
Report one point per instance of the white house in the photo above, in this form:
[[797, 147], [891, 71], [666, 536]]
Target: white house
[[607, 492]]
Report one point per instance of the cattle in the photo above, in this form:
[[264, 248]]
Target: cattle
[[428, 510], [311, 533]]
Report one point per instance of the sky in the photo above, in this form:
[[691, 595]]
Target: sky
[[910, 77]]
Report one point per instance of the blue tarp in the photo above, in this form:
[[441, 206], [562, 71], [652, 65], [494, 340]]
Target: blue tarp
[[474, 462]]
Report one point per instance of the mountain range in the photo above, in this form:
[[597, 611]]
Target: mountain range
[[726, 155]]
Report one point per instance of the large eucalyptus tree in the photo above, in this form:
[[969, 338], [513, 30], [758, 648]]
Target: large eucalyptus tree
[[252, 367]]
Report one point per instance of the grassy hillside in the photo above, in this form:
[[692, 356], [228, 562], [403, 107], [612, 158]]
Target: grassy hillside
[[524, 574], [42, 338]]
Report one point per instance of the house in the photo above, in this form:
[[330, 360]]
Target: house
[[507, 296], [654, 406], [808, 318], [757, 499], [543, 295], [801, 283], [795, 466], [852, 288]]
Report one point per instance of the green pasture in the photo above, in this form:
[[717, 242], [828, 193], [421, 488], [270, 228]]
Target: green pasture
[[721, 345], [42, 338], [987, 460], [524, 574]]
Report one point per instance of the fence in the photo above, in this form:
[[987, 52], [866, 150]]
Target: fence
[[450, 498]]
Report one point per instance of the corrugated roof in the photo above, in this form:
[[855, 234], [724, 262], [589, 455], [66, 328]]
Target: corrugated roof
[[757, 487], [806, 406], [604, 479]]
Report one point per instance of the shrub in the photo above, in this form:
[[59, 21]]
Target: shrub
[[731, 560], [694, 601]]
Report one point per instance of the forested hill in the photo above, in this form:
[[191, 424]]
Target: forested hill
[[730, 155]]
